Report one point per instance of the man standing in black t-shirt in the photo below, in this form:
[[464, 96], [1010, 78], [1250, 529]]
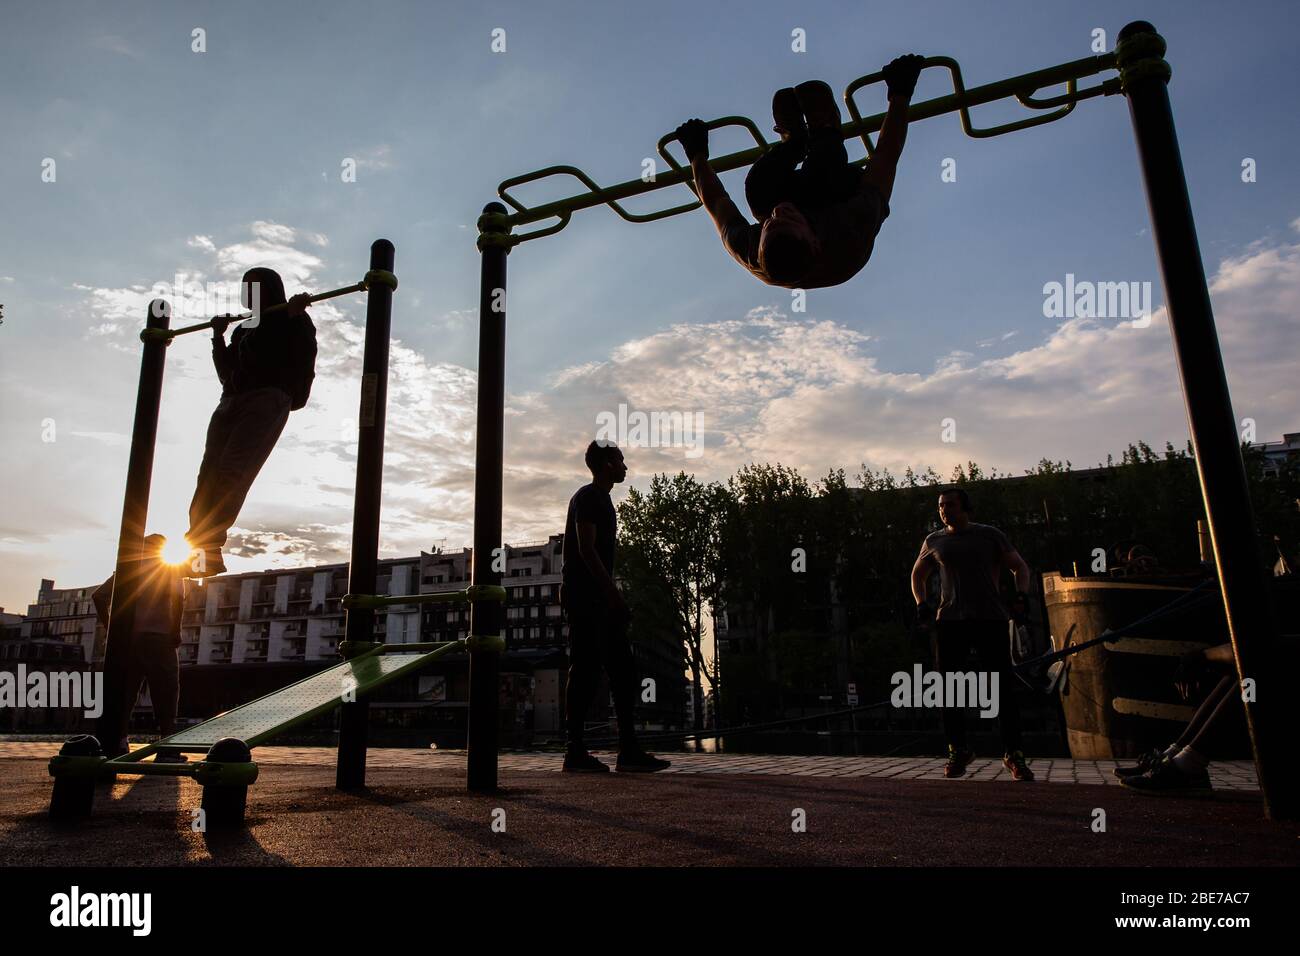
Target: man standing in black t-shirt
[[970, 558], [598, 618]]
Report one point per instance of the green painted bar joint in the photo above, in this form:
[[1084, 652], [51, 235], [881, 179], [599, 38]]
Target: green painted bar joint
[[493, 643]]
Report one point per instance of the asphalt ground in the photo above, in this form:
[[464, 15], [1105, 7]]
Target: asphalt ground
[[423, 816]]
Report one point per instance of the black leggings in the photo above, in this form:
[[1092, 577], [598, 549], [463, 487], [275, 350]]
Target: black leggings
[[953, 641], [825, 177], [598, 640]]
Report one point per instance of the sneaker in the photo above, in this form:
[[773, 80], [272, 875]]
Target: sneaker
[[638, 761], [1165, 779], [958, 761], [210, 565], [1145, 762], [1015, 762], [170, 756], [818, 104], [787, 115], [582, 762]]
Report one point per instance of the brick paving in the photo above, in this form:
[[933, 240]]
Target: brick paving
[[1232, 775]]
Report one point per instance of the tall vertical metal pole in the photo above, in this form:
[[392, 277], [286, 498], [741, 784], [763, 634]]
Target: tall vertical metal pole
[[1215, 441], [359, 629], [487, 618], [116, 713]]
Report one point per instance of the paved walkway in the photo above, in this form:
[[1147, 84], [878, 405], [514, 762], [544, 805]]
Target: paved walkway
[[1226, 775]]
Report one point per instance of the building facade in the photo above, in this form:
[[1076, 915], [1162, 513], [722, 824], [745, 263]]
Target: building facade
[[245, 635]]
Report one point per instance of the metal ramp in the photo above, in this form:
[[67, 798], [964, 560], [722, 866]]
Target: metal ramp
[[263, 718], [227, 771]]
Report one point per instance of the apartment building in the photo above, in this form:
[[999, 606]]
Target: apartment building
[[65, 616], [244, 635]]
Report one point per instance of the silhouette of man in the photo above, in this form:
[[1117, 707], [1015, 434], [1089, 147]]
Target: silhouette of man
[[266, 371], [970, 558], [817, 224], [598, 618], [155, 637]]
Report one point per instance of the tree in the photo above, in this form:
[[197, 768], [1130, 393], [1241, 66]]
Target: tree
[[671, 564]]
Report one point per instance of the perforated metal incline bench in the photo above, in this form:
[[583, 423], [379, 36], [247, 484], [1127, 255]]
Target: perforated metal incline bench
[[227, 739]]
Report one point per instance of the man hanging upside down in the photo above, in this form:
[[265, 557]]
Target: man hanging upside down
[[816, 224]]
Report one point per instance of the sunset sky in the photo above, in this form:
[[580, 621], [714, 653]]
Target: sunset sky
[[170, 161]]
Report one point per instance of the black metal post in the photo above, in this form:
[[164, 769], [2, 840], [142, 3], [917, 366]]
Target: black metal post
[[359, 629], [1215, 441], [116, 713], [487, 618]]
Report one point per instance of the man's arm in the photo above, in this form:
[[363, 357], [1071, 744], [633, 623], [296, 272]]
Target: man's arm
[[101, 598], [590, 557], [222, 358], [726, 215], [921, 572], [1013, 562], [900, 77]]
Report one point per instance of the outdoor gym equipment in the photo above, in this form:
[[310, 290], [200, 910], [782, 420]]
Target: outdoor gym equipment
[[227, 739], [1143, 77], [376, 275]]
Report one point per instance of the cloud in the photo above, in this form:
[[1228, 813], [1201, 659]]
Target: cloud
[[115, 44], [377, 158], [768, 387]]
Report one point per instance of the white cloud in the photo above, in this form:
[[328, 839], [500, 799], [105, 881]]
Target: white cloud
[[115, 44], [804, 391], [376, 158]]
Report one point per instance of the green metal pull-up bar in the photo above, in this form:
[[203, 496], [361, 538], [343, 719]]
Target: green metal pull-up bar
[[494, 228]]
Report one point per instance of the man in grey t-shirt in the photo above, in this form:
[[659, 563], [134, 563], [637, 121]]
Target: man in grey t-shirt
[[970, 558]]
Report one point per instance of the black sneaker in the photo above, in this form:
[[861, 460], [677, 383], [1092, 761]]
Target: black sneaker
[[638, 761], [583, 762], [1166, 779], [1145, 762], [1015, 762], [958, 761], [788, 116]]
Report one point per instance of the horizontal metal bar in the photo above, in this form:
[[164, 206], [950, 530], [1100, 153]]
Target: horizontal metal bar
[[1022, 86], [168, 334], [150, 769], [467, 596], [422, 647]]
